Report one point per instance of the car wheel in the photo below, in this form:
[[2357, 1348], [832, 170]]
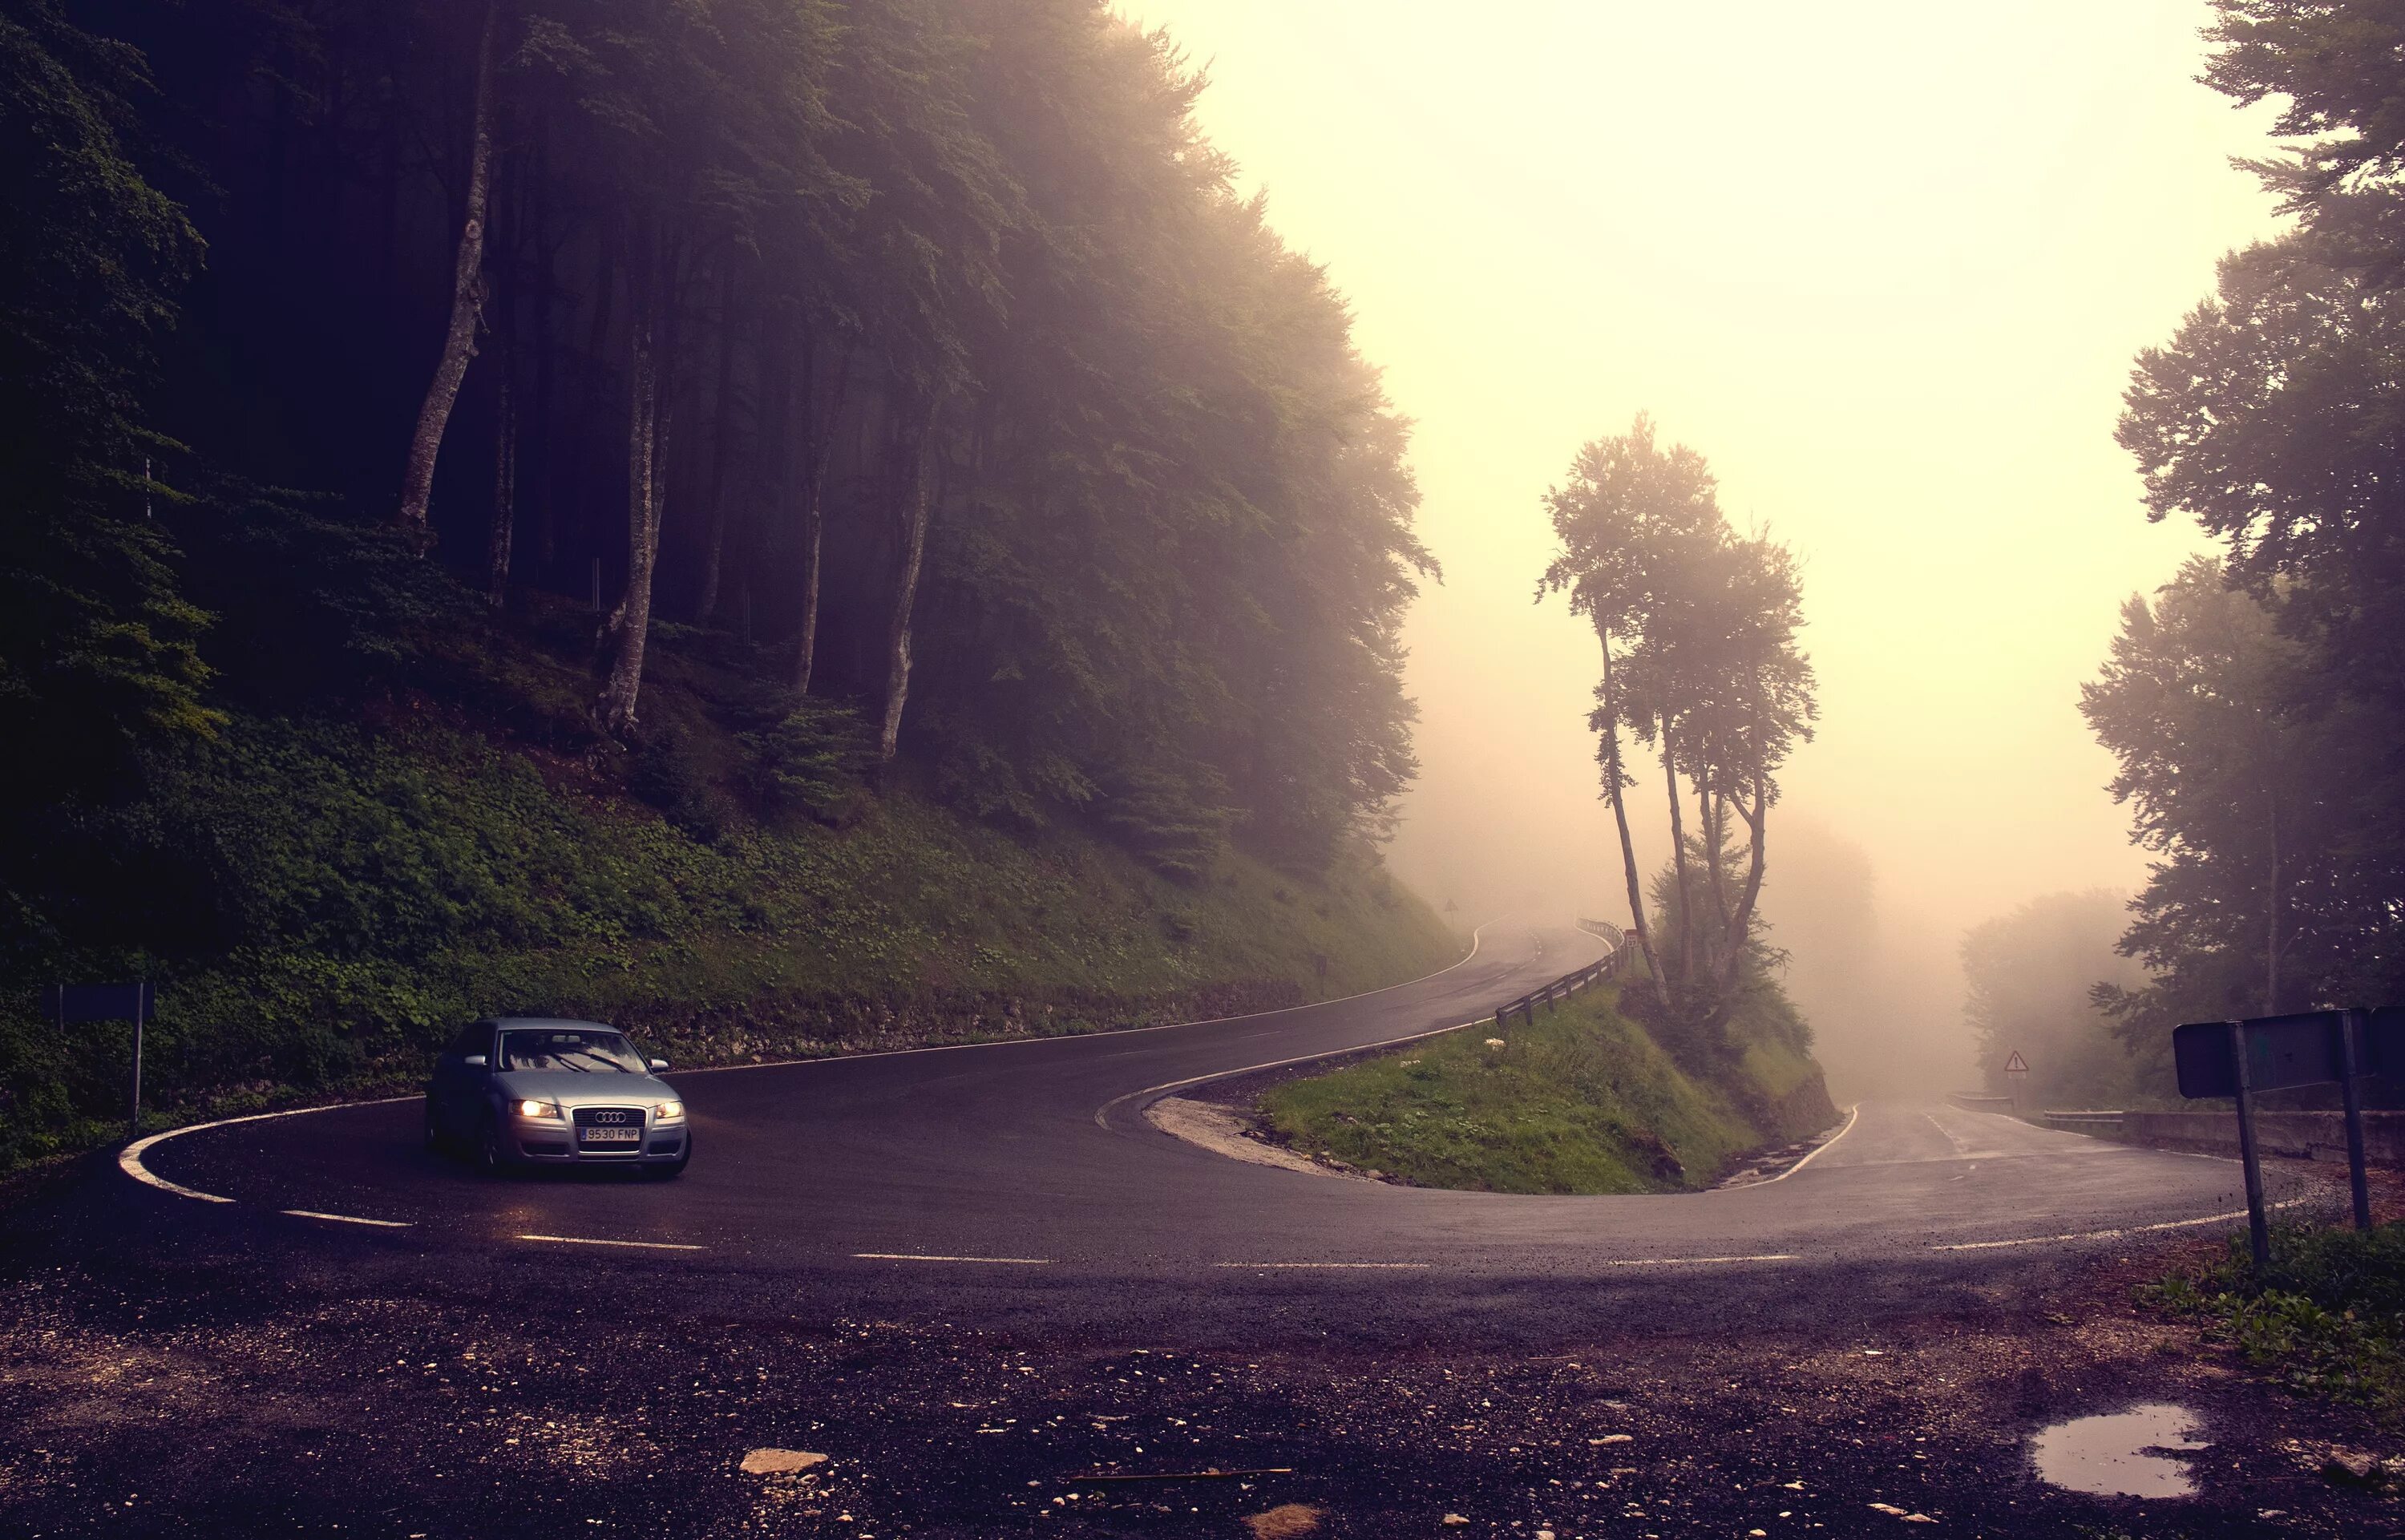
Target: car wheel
[[491, 1158], [434, 1140]]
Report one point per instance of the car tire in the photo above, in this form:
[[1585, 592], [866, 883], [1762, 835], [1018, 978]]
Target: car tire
[[491, 1158], [435, 1143]]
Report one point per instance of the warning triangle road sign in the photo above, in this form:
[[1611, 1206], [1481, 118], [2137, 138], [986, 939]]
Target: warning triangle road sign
[[2016, 1065]]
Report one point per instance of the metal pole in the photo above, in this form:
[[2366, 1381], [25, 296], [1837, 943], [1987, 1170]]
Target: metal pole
[[2352, 1027], [2259, 1231], [141, 999]]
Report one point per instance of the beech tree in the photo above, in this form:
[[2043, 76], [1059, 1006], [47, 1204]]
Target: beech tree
[[1700, 664]]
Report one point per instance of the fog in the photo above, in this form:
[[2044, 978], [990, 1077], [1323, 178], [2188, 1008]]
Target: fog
[[1885, 265]]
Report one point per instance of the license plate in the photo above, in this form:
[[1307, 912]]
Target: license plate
[[610, 1135]]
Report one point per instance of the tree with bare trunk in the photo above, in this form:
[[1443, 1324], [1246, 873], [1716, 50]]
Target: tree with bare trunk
[[627, 629], [466, 301], [1697, 626], [911, 429]]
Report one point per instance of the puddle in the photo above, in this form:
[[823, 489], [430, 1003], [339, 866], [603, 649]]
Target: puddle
[[2128, 1454]]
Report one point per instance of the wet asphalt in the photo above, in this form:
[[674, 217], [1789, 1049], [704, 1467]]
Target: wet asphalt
[[1130, 1308]]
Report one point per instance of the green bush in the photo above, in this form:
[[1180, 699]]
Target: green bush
[[2326, 1317]]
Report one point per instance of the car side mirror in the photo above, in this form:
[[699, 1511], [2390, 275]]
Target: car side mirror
[[474, 1061], [658, 1065]]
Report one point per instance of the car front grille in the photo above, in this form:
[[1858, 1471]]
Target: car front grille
[[592, 1120]]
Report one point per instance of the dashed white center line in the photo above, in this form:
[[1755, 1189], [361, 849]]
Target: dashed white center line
[[348, 1219], [642, 1245], [918, 1256], [1694, 1262], [1372, 1266]]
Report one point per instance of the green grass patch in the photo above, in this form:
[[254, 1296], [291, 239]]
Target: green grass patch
[[1580, 1100], [2326, 1319]]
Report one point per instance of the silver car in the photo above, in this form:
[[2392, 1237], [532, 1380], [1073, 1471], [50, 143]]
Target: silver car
[[519, 1091]]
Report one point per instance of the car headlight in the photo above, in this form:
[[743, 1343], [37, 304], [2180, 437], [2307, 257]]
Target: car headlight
[[667, 1112], [532, 1108]]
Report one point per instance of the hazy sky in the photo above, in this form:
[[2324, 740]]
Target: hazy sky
[[1885, 264]]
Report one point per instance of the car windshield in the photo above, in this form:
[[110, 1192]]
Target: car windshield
[[585, 1049]]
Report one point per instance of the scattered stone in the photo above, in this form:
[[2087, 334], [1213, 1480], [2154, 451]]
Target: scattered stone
[[1614, 1438], [1494, 1042], [1889, 1509], [1454, 1521], [2355, 1468], [1286, 1521], [779, 1462]]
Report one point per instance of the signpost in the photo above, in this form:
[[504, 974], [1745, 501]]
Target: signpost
[[2245, 1058], [107, 1003], [2016, 1065]]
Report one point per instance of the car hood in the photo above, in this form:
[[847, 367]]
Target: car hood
[[583, 1088]]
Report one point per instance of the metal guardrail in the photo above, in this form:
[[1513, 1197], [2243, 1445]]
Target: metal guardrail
[[2083, 1122], [1965, 1101], [1570, 984]]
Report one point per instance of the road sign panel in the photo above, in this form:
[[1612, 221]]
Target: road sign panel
[[99, 1002], [2282, 1052], [2016, 1065], [2385, 1042]]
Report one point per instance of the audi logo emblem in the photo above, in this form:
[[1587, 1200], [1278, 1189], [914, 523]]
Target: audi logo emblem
[[609, 1117]]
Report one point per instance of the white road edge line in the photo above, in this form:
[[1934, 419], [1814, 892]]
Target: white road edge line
[[2112, 1235], [641, 1245], [915, 1256], [1854, 1115], [1696, 1261], [1327, 1265], [129, 1160], [344, 1219]]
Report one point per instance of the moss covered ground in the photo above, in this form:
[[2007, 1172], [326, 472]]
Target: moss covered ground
[[1582, 1099]]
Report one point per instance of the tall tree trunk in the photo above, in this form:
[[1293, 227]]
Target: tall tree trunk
[[1679, 860], [505, 493], [1715, 815], [2272, 940], [1757, 822], [817, 449], [466, 300], [722, 440], [1614, 780], [546, 298], [915, 429], [629, 624]]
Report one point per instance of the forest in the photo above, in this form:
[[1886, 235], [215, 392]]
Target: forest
[[2256, 704], [761, 408]]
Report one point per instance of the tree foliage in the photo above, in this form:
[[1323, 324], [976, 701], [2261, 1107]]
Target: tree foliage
[[925, 347], [2257, 728], [1701, 664], [97, 645]]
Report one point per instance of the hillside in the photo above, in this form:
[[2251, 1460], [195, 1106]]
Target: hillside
[[782, 534], [1582, 1099], [323, 892]]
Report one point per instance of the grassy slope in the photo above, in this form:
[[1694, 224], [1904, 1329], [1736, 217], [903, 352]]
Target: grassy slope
[[376, 882], [1579, 1101]]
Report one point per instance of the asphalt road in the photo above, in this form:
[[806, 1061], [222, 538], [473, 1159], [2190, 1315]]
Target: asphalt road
[[1874, 1336], [941, 1167]]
